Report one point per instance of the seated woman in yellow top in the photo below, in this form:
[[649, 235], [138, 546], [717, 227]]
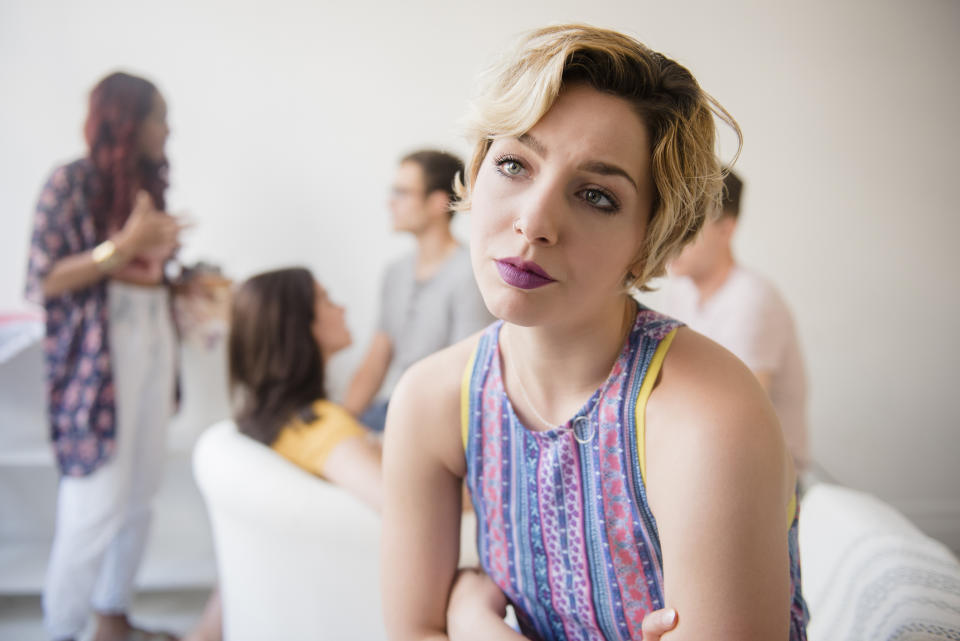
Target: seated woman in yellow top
[[283, 328]]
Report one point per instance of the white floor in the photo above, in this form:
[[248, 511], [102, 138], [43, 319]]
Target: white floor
[[171, 611]]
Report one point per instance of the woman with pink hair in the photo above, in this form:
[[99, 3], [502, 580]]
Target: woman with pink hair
[[99, 246]]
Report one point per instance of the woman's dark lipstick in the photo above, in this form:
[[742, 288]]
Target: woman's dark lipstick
[[523, 274]]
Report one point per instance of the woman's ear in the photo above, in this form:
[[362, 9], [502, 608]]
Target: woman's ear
[[634, 271]]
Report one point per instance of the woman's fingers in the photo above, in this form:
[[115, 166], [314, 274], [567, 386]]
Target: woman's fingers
[[658, 623], [143, 201]]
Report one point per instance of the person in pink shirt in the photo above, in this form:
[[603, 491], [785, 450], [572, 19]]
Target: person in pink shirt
[[745, 313]]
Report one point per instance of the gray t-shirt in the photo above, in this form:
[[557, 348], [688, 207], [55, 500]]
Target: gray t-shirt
[[422, 317]]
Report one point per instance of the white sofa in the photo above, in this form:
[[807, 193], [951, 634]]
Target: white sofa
[[298, 558], [870, 575]]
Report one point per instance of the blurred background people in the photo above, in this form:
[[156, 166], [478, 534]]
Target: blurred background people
[[283, 329], [100, 241], [428, 299], [744, 312]]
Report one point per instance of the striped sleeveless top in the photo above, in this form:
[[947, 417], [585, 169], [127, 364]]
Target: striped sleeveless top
[[563, 524]]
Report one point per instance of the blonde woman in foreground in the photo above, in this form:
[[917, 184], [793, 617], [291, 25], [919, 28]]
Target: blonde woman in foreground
[[618, 463]]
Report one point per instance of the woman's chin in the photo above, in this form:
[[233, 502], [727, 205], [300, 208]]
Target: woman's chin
[[342, 346], [517, 307]]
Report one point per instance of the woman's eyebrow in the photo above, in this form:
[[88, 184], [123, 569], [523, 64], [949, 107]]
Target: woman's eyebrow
[[593, 166], [533, 143], [606, 169]]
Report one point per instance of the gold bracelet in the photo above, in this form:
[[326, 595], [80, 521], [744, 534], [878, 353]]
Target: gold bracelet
[[105, 256]]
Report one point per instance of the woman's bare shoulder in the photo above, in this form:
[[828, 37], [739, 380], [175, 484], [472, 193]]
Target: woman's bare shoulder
[[704, 383], [436, 378], [425, 404], [709, 409]]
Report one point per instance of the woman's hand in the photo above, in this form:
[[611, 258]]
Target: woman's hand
[[477, 603], [658, 623], [475, 600], [146, 241], [148, 230], [140, 272]]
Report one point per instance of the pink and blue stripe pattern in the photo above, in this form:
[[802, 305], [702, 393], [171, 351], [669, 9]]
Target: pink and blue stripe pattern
[[564, 527]]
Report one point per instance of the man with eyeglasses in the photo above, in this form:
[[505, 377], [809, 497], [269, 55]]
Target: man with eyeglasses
[[428, 299]]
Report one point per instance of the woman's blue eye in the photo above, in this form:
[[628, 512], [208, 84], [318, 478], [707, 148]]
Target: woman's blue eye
[[511, 167], [598, 199]]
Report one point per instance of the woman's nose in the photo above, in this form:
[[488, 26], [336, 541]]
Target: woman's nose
[[540, 216]]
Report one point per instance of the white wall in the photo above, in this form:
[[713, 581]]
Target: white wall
[[287, 122]]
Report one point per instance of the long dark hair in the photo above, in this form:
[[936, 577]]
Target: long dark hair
[[276, 369], [118, 106]]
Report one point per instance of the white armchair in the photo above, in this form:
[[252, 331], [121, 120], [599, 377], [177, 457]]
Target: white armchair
[[298, 558]]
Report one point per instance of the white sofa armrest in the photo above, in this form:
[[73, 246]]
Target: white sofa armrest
[[870, 575]]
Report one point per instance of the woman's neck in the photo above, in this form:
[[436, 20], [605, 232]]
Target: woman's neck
[[555, 369]]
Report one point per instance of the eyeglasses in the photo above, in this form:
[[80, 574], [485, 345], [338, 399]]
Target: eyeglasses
[[397, 193]]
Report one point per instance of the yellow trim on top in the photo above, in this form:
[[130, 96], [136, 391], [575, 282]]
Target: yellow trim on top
[[465, 396], [649, 379], [646, 388]]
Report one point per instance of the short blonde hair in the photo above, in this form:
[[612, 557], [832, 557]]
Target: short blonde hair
[[687, 174]]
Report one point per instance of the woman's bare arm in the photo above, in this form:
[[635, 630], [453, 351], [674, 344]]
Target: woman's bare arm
[[369, 376], [719, 482], [355, 465], [146, 229], [423, 467], [421, 516]]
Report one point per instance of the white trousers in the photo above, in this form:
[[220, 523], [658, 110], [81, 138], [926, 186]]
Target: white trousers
[[103, 519]]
